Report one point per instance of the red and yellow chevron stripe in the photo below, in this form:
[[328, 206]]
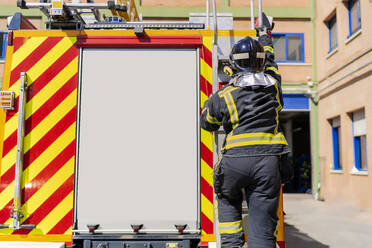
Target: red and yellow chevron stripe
[[280, 237], [206, 146], [51, 64]]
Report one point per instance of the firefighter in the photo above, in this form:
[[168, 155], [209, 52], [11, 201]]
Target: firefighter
[[248, 109]]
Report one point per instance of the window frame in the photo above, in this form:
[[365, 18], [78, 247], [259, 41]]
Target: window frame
[[336, 146], [332, 20], [286, 35], [3, 49], [357, 148], [349, 6]]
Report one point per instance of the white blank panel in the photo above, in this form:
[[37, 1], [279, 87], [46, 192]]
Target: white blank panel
[[138, 158]]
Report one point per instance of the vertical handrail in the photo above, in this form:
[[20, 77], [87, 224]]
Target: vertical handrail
[[19, 161], [260, 13], [207, 15], [215, 21], [252, 14]]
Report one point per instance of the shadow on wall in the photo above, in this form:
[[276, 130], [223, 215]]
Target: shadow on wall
[[294, 238]]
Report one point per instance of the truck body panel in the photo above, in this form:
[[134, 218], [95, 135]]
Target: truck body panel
[[50, 173]]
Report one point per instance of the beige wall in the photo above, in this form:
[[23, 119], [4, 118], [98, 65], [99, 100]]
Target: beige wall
[[346, 52], [273, 3], [346, 188], [175, 3], [345, 96]]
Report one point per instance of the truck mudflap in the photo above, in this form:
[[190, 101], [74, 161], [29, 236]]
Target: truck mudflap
[[137, 241]]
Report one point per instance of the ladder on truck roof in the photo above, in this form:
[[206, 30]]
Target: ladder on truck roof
[[64, 15], [78, 16]]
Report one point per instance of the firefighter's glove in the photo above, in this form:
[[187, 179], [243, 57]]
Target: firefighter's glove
[[286, 169], [217, 178], [261, 31]]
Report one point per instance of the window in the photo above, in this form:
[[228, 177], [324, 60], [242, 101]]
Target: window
[[354, 16], [289, 47], [332, 29], [335, 123], [3, 43], [360, 140]]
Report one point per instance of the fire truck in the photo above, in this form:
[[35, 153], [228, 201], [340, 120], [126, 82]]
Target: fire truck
[[100, 143]]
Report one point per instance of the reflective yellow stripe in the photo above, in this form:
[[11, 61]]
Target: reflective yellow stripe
[[231, 231], [203, 98], [206, 172], [37, 238], [277, 109], [212, 119], [230, 227], [206, 207], [207, 138], [269, 49], [273, 69], [253, 135], [257, 142], [239, 222], [206, 71], [222, 92], [226, 94], [276, 229], [255, 139], [208, 42], [234, 111]]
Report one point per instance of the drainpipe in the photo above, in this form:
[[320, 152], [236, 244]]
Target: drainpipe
[[314, 122], [215, 46]]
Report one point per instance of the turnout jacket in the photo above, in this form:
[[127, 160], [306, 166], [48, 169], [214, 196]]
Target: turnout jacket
[[248, 109]]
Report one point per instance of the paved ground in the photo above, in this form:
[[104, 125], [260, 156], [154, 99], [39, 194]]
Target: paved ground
[[316, 224]]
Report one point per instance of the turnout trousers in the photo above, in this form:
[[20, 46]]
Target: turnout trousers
[[259, 176]]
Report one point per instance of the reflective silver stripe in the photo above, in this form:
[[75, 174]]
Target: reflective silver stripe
[[260, 55], [238, 56]]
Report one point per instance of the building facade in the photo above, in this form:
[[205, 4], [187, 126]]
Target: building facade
[[344, 66]]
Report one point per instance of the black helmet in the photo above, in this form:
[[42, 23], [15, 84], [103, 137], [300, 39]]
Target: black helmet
[[248, 55]]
